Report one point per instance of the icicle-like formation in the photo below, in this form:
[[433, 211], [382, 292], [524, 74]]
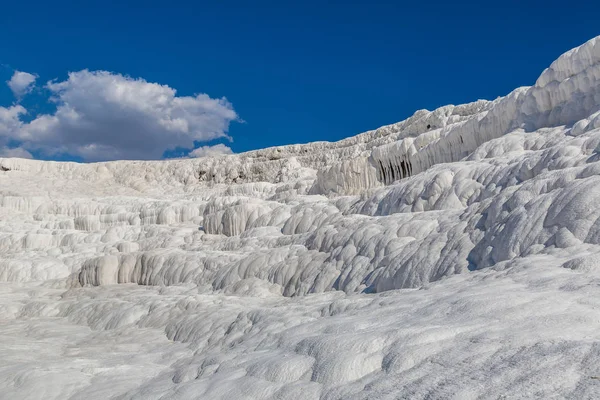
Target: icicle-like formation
[[279, 268]]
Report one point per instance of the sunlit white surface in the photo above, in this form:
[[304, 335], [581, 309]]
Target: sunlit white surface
[[455, 254]]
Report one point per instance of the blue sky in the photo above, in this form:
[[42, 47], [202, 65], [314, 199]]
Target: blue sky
[[292, 72]]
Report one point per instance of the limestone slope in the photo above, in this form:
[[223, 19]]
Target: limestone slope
[[451, 255]]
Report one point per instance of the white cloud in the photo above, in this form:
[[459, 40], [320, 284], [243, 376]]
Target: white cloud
[[21, 83], [210, 151], [10, 123], [9, 119], [17, 152], [103, 116]]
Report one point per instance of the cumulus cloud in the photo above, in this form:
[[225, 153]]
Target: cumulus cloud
[[10, 119], [17, 152], [210, 151], [21, 83], [10, 123], [102, 116]]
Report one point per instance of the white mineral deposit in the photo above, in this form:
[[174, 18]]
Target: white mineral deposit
[[453, 255]]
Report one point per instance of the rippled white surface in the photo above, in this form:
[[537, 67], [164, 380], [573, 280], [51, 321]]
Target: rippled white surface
[[452, 255]]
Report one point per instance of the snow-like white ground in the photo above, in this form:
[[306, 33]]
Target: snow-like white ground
[[453, 255]]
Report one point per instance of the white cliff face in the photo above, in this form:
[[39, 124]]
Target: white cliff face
[[451, 255]]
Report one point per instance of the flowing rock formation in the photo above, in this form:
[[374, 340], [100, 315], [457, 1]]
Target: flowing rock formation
[[455, 254]]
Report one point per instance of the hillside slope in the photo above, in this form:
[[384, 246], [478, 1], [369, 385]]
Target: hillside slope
[[455, 254]]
